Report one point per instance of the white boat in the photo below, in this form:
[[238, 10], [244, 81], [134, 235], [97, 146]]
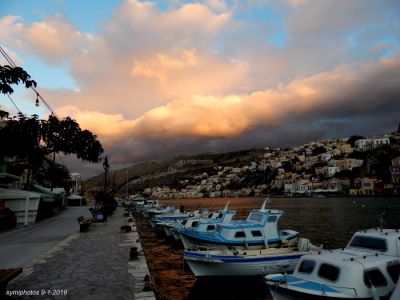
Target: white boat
[[338, 274], [376, 240], [260, 230], [141, 205], [168, 225], [152, 212], [245, 262], [203, 223]]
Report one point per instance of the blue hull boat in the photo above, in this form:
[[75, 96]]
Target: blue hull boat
[[260, 230]]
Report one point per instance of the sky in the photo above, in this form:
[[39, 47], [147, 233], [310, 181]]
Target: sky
[[157, 79]]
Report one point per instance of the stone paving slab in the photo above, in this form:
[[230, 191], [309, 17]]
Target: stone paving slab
[[90, 265]]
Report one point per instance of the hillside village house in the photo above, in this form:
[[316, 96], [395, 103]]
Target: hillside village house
[[344, 148], [363, 187], [346, 163], [327, 171], [373, 143]]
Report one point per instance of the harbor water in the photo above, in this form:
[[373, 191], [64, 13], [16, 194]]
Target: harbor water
[[327, 221]]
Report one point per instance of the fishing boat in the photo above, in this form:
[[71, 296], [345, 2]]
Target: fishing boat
[[204, 262], [338, 274], [141, 205], [259, 230], [160, 219], [167, 221], [203, 223], [376, 240], [151, 212]]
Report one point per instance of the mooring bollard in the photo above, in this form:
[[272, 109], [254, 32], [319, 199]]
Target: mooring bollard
[[147, 287], [134, 253]]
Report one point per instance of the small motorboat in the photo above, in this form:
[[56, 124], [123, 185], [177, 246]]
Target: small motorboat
[[160, 219], [152, 212], [204, 262], [260, 230], [376, 240], [203, 223], [169, 221], [338, 274]]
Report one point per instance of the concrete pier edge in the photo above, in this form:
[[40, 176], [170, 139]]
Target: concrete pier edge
[[138, 268]]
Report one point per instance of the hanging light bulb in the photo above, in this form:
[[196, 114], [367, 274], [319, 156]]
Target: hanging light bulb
[[37, 99]]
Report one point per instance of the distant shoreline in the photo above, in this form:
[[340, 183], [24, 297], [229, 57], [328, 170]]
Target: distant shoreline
[[286, 197]]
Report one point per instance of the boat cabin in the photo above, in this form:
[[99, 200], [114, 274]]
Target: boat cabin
[[259, 225], [348, 272], [210, 224], [259, 230], [384, 241]]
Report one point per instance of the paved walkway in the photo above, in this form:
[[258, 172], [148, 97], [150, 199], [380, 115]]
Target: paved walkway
[[38, 237], [88, 266]]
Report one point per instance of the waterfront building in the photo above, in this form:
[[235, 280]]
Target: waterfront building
[[363, 187]]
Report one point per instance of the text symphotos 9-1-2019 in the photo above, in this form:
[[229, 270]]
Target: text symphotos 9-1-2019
[[43, 292]]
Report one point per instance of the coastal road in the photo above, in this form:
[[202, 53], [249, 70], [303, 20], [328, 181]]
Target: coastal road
[[21, 245]]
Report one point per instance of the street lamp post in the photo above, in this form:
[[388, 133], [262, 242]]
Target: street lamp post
[[127, 182]]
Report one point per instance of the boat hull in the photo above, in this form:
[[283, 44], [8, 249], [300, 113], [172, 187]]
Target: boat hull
[[190, 242], [203, 266], [167, 231], [175, 235], [280, 293]]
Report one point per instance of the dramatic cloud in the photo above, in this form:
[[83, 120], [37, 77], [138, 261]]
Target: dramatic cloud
[[345, 92], [194, 77]]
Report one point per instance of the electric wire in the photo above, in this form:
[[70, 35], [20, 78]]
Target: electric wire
[[15, 105], [12, 63]]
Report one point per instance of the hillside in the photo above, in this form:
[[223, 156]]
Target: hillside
[[355, 165], [170, 172]]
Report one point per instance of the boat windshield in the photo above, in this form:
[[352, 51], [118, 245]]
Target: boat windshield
[[329, 272], [306, 266], [374, 277], [194, 224], [255, 217], [372, 243]]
